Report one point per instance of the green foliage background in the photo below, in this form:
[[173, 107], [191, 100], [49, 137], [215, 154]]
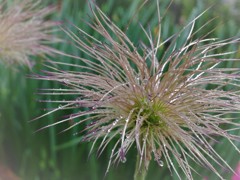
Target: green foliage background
[[49, 155]]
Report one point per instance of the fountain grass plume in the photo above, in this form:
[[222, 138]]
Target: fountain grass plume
[[24, 31], [170, 107]]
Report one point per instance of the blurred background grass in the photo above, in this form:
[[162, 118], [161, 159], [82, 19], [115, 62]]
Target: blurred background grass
[[49, 155]]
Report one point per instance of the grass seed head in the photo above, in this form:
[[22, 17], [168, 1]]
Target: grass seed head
[[24, 32]]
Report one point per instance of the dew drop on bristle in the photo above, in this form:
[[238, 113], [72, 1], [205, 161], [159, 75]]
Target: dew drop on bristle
[[75, 134], [123, 160], [160, 163], [65, 81]]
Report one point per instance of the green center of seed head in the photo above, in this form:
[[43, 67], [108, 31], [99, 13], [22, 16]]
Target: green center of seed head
[[150, 111]]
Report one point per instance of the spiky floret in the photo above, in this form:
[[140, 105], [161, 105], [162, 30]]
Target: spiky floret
[[160, 105], [24, 31]]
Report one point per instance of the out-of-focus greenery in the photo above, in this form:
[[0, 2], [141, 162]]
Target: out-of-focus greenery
[[49, 155]]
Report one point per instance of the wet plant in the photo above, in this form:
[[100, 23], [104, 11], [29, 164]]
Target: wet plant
[[171, 106]]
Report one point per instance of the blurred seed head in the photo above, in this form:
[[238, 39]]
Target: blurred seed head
[[170, 107], [24, 31]]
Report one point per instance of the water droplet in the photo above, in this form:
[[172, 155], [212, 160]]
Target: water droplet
[[65, 80], [60, 106], [123, 160], [74, 134], [109, 130], [160, 162]]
